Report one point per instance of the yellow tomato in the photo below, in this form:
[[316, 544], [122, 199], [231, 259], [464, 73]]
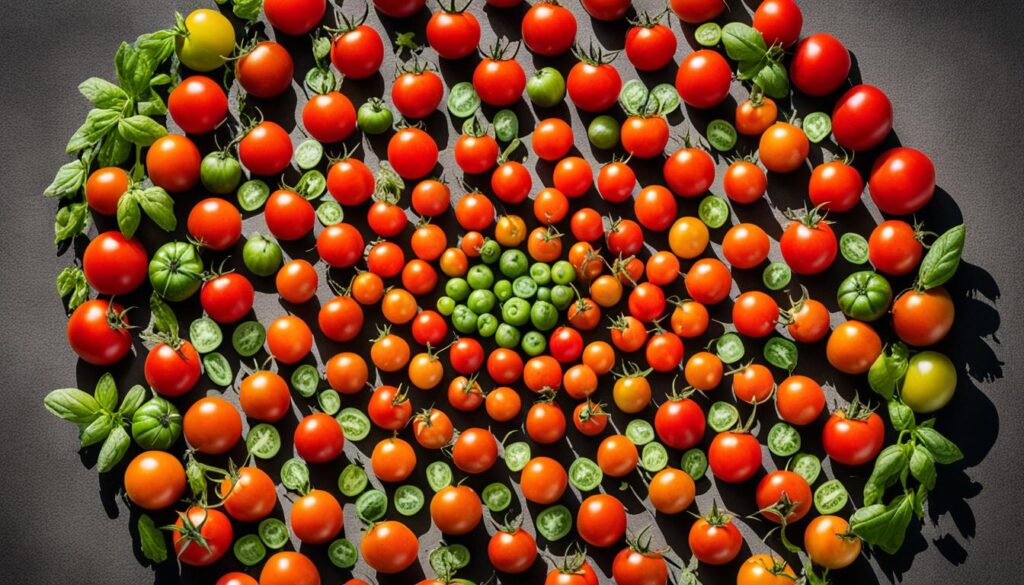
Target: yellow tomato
[[206, 42], [510, 231], [688, 237], [930, 382]]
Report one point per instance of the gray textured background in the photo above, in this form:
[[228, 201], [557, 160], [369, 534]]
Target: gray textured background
[[954, 76]]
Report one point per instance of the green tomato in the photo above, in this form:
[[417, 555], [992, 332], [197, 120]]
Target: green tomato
[[220, 172], [486, 325], [206, 42], [176, 271], [490, 252], [261, 255], [457, 288], [544, 293], [513, 263], [546, 87], [464, 319], [930, 382], [503, 290], [543, 315], [156, 424], [603, 132], [540, 272], [516, 312], [480, 277], [561, 296], [506, 336], [534, 343], [864, 295], [374, 117], [481, 301], [563, 272], [446, 306]]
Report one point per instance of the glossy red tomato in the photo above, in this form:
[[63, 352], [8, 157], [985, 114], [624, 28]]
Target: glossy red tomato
[[416, 93], [104, 188], [696, 11], [708, 281], [113, 264], [172, 371], [316, 517], [476, 154], [319, 438], [266, 150], [809, 245], [636, 565], [593, 85], [266, 70], [389, 408], [358, 53], [340, 245], [655, 208], [206, 538], [644, 136], [227, 298], [289, 568], [350, 181], [511, 182], [607, 10], [249, 495], [512, 550], [650, 46], [453, 34], [820, 65], [215, 223], [745, 245], [799, 400], [413, 153], [289, 216], [744, 182], [714, 539], [197, 104], [902, 181], [212, 425], [689, 172], [98, 332], [601, 520], [703, 79], [854, 435], [475, 450], [294, 17], [785, 489], [389, 547], [289, 339], [616, 181], [862, 118], [329, 117], [499, 79], [835, 186], [548, 29], [755, 314], [894, 247], [624, 238], [779, 22], [398, 8], [679, 423], [172, 162], [734, 457]]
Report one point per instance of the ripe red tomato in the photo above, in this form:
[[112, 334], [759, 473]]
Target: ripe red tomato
[[655, 208], [197, 104], [249, 495], [413, 153], [388, 547], [266, 150], [607, 10], [679, 423], [593, 84], [650, 45], [316, 517], [289, 568], [172, 371], [98, 332], [783, 148], [854, 435], [389, 408], [319, 438], [922, 318], [456, 509], [215, 223], [647, 302], [754, 116], [714, 539], [294, 17], [799, 400], [289, 339], [329, 117], [689, 172], [475, 451], [734, 457], [601, 520], [350, 181], [696, 11], [453, 35], [104, 188], [809, 245], [499, 79], [206, 540], [113, 264], [399, 8], [154, 480], [862, 118], [340, 245], [852, 347], [835, 186], [894, 247], [548, 29], [357, 53], [744, 182], [266, 70], [636, 565], [745, 245], [417, 92], [476, 154], [386, 219], [616, 181], [264, 396], [902, 181], [552, 139], [212, 425], [779, 22], [703, 79], [512, 550], [466, 355], [808, 321], [644, 136], [289, 216], [755, 314], [511, 182], [820, 65], [227, 297], [173, 163], [708, 281], [783, 488], [543, 480]]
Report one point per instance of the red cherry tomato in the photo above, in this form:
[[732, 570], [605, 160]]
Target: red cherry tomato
[[862, 118]]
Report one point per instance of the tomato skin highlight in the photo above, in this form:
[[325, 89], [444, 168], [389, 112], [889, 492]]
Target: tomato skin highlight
[[113, 264], [329, 117], [197, 104], [862, 118], [358, 53], [734, 457], [703, 79], [902, 181], [820, 65], [679, 423]]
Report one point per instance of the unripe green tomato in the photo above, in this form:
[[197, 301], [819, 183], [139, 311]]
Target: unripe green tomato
[[930, 382]]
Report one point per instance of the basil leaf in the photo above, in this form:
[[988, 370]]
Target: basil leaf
[[889, 369], [140, 130], [884, 526], [919, 497], [132, 401], [159, 207], [773, 79], [73, 405], [922, 467], [114, 447], [71, 281], [71, 221], [151, 539], [247, 9], [160, 79], [114, 150], [70, 178], [888, 466], [743, 42], [97, 123], [746, 70], [901, 415], [941, 449], [103, 94], [106, 392], [942, 259], [153, 105], [157, 45], [162, 318], [128, 214], [134, 69], [96, 431]]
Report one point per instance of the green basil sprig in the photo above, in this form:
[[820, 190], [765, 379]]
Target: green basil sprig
[[98, 417], [69, 180], [152, 540], [889, 369], [71, 283], [71, 221], [155, 202], [756, 61], [245, 9], [914, 456], [942, 259]]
